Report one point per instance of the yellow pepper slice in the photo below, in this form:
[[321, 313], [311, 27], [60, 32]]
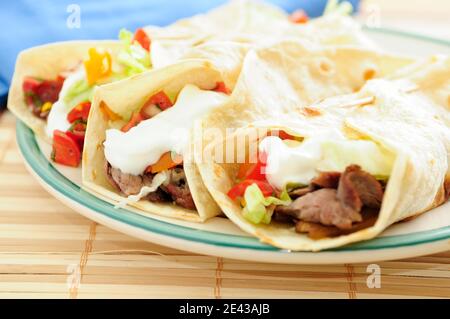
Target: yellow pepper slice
[[98, 66], [46, 107]]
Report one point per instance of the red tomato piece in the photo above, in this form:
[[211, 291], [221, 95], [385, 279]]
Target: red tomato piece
[[238, 190], [282, 135], [253, 171], [77, 132], [30, 85], [79, 112], [299, 16], [136, 118], [65, 150], [221, 87], [48, 90], [161, 100], [143, 39]]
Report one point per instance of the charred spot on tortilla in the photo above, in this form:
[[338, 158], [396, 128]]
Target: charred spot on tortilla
[[369, 74], [447, 187], [324, 66], [309, 111]]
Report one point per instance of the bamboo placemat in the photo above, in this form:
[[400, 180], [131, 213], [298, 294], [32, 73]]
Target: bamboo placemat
[[47, 248]]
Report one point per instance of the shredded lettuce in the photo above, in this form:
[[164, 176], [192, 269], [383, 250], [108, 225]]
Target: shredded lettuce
[[337, 155], [336, 7], [79, 92], [256, 208], [134, 58]]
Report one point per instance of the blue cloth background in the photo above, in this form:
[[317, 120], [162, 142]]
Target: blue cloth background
[[27, 23]]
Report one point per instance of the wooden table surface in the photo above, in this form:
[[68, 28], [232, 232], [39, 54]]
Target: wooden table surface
[[49, 251]]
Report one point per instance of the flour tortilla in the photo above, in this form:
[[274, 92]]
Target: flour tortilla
[[409, 131], [277, 91]]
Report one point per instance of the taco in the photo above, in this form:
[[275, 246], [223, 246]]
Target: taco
[[136, 154], [340, 170]]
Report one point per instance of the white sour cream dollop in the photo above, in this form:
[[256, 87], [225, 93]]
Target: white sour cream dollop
[[133, 151], [299, 162]]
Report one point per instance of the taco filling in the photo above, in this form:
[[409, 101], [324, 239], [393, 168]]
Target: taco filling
[[64, 102], [144, 159], [324, 186]]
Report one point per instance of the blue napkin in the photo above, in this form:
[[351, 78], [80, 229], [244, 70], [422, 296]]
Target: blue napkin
[[27, 23]]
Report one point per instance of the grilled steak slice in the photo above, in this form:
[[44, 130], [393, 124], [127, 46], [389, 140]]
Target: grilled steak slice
[[175, 189], [326, 180], [299, 192], [322, 206], [318, 231], [128, 184], [357, 188], [178, 189], [341, 207], [158, 196], [181, 195]]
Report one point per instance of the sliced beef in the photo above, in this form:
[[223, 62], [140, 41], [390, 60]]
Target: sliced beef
[[301, 191], [357, 188], [128, 184], [318, 231], [339, 207], [178, 188], [175, 189], [158, 196], [326, 180], [322, 206], [181, 195]]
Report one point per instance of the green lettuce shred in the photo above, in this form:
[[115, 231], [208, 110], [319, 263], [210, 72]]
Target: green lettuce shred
[[79, 92], [134, 58], [336, 7], [256, 208]]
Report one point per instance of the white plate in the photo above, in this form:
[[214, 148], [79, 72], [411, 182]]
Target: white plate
[[426, 234]]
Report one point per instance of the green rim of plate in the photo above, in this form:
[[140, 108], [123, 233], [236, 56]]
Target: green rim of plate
[[45, 170]]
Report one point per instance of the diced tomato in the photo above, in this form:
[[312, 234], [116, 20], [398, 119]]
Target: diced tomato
[[161, 100], [253, 171], [65, 150], [149, 110], [221, 87], [77, 132], [38, 92], [136, 118], [48, 90], [282, 135], [30, 85], [299, 16], [238, 190], [78, 138], [166, 161], [143, 39], [79, 112]]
